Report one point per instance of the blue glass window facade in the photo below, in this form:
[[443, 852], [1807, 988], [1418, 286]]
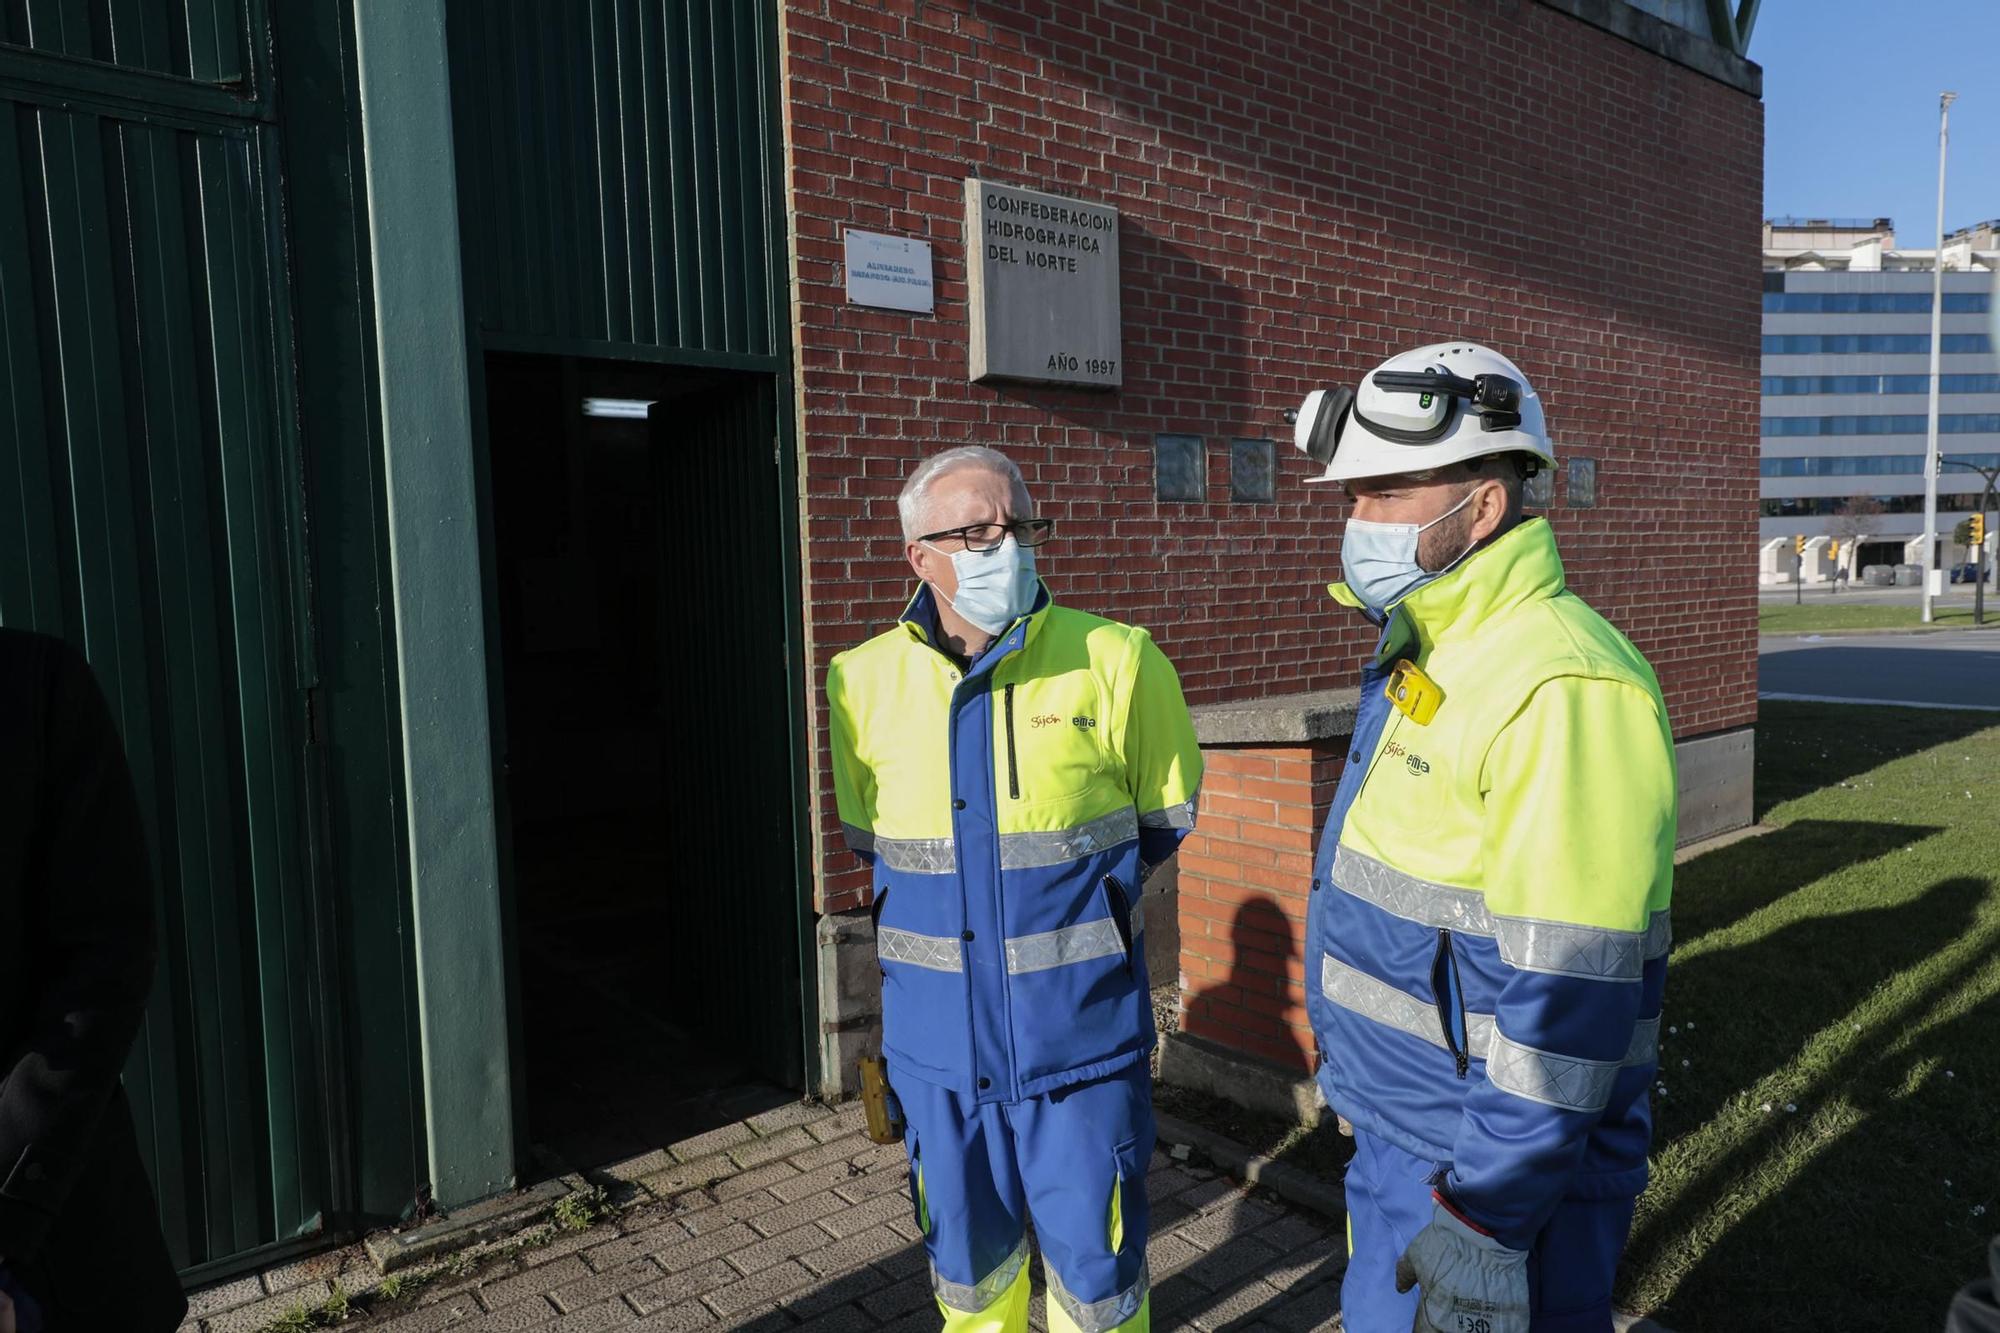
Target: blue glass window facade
[[1871, 465], [1872, 303], [1841, 344], [1819, 506], [1888, 423], [1781, 386]]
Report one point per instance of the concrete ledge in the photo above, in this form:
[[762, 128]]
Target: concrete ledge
[[1278, 719], [1203, 1066], [1289, 1183], [1697, 51], [487, 1220], [1718, 776]]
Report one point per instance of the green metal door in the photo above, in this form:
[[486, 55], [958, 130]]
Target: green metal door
[[731, 789], [150, 487]]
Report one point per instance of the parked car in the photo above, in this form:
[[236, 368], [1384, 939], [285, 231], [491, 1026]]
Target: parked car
[[1965, 573]]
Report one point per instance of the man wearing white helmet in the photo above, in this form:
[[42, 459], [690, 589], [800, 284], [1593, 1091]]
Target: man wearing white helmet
[[1487, 933]]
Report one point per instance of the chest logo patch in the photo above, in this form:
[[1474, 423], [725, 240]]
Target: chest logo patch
[[1416, 763]]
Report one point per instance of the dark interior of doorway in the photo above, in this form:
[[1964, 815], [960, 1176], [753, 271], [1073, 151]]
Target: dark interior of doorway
[[655, 907]]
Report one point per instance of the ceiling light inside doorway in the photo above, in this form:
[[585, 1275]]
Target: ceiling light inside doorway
[[623, 409]]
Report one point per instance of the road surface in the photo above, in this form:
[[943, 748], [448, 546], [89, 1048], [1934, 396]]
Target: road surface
[[1945, 669]]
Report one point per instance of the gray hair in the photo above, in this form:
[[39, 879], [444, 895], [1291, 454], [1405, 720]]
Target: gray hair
[[916, 491]]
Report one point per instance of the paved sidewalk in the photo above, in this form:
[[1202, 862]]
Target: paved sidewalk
[[795, 1220]]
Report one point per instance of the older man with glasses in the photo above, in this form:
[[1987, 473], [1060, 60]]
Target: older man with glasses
[[1012, 769]]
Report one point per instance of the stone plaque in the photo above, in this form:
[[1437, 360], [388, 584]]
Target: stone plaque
[[1042, 287], [892, 272]]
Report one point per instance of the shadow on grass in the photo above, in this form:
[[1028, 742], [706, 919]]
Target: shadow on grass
[[1838, 1216], [1714, 891], [1803, 748]]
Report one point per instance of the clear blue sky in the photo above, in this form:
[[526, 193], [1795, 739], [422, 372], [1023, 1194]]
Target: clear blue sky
[[1850, 111]]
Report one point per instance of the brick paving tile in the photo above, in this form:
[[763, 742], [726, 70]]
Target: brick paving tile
[[1209, 1193], [781, 1144], [696, 1173], [214, 1300], [714, 1245], [682, 1286], [253, 1317], [1315, 1310], [715, 1141], [841, 1319], [1230, 1264], [819, 1207], [843, 1149], [823, 1177], [797, 1113], [703, 1215], [762, 1321], [459, 1313], [570, 1243], [1237, 1306], [602, 1286], [751, 1182], [768, 1285], [682, 1318], [907, 1261], [849, 1119], [1293, 1230], [1306, 1266], [611, 1314], [1224, 1223], [874, 1183], [518, 1317], [608, 1254], [1169, 1254], [786, 1245], [532, 1283], [854, 1217], [852, 1252], [900, 1297], [637, 1168]]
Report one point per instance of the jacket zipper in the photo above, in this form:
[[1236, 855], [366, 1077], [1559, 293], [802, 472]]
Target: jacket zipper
[[1013, 768], [1444, 982]]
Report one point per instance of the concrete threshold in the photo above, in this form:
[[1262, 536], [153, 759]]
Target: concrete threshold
[[474, 1224]]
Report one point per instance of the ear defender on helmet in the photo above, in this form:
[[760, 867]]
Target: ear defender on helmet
[[1316, 423]]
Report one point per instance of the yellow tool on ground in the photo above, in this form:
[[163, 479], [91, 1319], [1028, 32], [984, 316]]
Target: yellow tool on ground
[[879, 1103]]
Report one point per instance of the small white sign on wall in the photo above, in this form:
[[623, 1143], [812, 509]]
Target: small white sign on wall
[[892, 272]]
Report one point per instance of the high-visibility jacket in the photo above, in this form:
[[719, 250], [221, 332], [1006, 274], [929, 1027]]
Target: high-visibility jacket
[[1007, 810], [1488, 924]]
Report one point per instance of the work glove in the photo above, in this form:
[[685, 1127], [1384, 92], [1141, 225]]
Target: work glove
[[1471, 1282]]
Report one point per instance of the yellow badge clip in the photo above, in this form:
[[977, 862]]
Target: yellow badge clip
[[1416, 695]]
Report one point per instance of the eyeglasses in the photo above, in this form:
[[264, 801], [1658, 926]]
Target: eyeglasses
[[982, 537]]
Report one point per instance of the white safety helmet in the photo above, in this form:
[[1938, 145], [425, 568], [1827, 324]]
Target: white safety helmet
[[1425, 409]]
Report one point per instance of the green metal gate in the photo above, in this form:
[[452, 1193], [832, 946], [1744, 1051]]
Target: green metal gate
[[149, 482]]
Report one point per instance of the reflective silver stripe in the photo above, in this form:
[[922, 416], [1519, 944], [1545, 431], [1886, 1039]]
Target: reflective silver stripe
[[1109, 1313], [1174, 816], [1645, 1047], [1590, 952], [1072, 944], [919, 856], [1024, 851], [1439, 906], [975, 1298], [1018, 851], [1357, 992], [859, 840], [1371, 998], [1659, 935], [906, 946], [1554, 1080]]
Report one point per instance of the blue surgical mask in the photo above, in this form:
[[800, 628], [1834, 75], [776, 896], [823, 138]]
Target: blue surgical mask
[[996, 587], [1379, 560]]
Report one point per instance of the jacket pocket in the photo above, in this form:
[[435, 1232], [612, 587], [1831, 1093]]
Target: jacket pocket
[[1450, 1002], [1126, 1219], [1118, 907]]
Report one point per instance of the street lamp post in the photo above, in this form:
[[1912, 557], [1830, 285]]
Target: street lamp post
[[1937, 339]]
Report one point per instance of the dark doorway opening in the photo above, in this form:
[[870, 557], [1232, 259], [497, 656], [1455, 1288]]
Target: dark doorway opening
[[647, 785]]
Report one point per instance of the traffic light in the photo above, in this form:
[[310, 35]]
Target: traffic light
[[1833, 550], [1799, 544], [1979, 529]]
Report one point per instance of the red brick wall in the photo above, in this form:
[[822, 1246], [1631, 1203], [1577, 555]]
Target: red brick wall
[[1305, 189], [1245, 874]]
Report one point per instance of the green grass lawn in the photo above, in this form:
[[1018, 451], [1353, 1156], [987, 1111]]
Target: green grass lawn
[[1821, 612], [1827, 1153]]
